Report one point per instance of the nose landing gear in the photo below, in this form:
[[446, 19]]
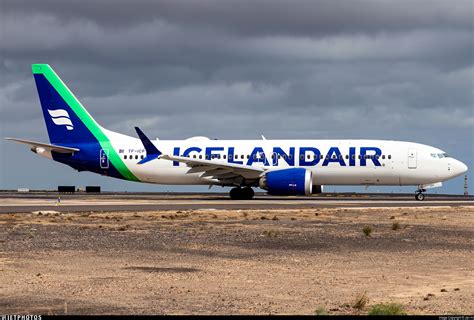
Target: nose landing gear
[[241, 193], [419, 195]]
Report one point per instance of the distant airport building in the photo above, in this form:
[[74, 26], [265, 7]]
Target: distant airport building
[[66, 189], [93, 189]]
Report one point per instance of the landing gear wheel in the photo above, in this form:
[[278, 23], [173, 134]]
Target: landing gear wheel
[[247, 193], [235, 193], [420, 196], [241, 194]]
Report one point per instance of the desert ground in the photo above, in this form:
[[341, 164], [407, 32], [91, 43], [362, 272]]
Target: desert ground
[[292, 261]]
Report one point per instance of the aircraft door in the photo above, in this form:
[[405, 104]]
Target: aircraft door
[[104, 158], [412, 159]]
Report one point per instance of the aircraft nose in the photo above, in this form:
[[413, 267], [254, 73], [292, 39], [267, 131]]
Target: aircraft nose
[[460, 168]]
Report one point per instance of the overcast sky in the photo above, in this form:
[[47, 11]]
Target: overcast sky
[[399, 70]]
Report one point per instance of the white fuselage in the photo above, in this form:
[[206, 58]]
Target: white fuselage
[[400, 163]]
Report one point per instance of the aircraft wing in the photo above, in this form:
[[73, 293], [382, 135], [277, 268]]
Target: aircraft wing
[[45, 146], [227, 173]]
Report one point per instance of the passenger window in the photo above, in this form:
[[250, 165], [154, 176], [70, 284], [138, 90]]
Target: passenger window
[[309, 156], [242, 156], [359, 156], [389, 156], [230, 156], [194, 156], [125, 157], [383, 156], [248, 156], [207, 157], [347, 156], [142, 157], [224, 156]]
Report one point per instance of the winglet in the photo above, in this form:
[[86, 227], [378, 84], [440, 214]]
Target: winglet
[[152, 152]]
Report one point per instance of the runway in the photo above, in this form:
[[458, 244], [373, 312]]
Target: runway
[[24, 203]]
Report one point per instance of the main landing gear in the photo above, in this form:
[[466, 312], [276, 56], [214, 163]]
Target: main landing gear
[[241, 193], [419, 195]]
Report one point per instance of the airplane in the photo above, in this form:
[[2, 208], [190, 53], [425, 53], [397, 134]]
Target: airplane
[[281, 167]]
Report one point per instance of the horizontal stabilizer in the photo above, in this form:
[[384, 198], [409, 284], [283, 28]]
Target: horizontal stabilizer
[[45, 146]]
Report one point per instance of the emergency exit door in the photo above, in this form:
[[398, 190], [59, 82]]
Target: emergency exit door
[[411, 158], [104, 158]]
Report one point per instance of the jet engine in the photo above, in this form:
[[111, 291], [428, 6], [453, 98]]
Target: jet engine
[[292, 181]]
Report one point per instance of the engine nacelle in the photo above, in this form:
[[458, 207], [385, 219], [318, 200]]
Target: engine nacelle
[[317, 189], [293, 181]]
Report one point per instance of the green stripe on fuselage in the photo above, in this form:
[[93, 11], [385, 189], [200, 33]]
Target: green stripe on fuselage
[[86, 118]]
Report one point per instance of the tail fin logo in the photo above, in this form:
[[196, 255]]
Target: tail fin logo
[[60, 117]]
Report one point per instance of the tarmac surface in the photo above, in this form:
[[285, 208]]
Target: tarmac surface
[[12, 202]]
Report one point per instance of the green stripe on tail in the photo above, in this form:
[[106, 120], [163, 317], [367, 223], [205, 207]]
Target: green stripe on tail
[[85, 117]]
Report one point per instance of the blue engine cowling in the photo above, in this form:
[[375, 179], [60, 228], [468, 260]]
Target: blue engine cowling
[[293, 181]]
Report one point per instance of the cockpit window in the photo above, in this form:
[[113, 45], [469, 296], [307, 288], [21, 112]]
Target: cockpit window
[[439, 155]]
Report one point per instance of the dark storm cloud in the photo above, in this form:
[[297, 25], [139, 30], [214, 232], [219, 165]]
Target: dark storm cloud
[[237, 69], [251, 17]]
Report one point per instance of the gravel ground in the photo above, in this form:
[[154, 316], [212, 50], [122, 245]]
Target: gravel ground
[[238, 261]]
